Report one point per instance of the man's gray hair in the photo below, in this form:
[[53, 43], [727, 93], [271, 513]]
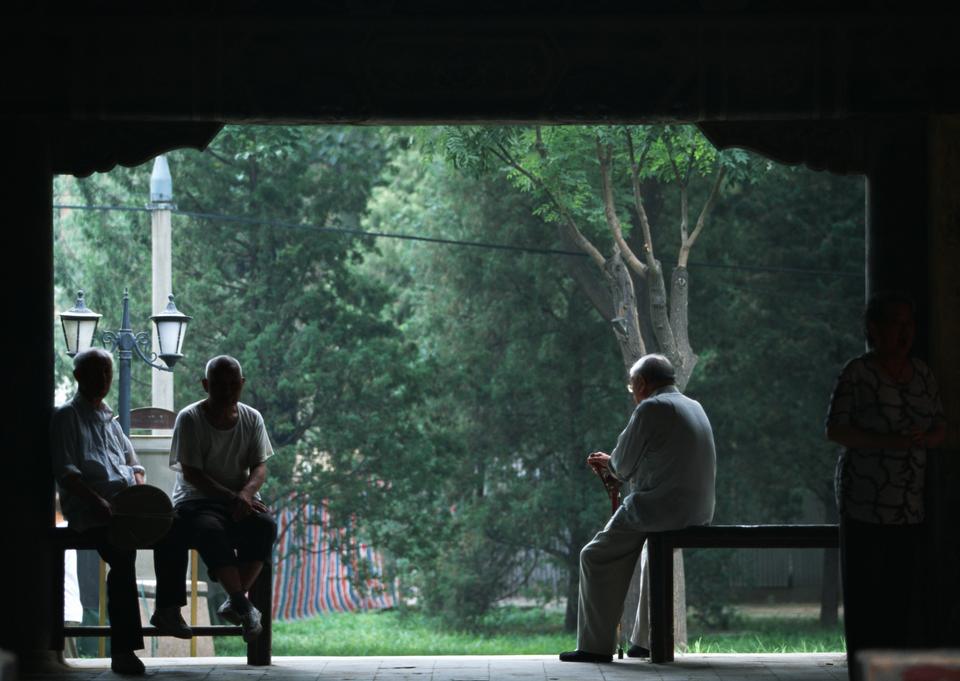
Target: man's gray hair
[[221, 360], [86, 357], [655, 369]]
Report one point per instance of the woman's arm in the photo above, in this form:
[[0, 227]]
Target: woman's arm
[[856, 438]]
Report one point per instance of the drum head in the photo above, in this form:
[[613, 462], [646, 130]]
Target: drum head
[[142, 515]]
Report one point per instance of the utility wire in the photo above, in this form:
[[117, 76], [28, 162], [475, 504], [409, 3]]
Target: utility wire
[[447, 242]]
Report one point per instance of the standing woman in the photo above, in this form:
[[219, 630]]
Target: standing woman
[[886, 413]]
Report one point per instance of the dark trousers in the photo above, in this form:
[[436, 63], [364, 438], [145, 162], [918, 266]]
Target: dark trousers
[[209, 527], [879, 572], [123, 608]]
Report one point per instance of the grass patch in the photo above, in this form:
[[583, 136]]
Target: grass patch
[[513, 631], [767, 635], [506, 631]]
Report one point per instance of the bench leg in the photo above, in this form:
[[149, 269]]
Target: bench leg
[[660, 555], [261, 595], [56, 586]]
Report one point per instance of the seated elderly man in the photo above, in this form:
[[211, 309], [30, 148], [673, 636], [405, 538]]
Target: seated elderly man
[[667, 452], [93, 460], [220, 449]]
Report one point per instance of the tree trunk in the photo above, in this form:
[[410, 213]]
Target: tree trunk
[[625, 324], [660, 313], [685, 359]]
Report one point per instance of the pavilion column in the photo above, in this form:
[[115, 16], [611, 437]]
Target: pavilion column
[[897, 244], [943, 479], [26, 190], [913, 244]]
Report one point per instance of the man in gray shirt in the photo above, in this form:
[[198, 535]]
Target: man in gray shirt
[[219, 450], [92, 461], [667, 453]]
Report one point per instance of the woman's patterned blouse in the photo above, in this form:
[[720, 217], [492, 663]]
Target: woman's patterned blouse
[[883, 485]]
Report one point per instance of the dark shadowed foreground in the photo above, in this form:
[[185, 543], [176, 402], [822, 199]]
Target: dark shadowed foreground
[[786, 667]]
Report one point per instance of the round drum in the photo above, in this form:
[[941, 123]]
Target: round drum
[[142, 515]]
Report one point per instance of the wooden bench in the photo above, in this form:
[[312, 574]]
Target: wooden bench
[[261, 595], [660, 546]]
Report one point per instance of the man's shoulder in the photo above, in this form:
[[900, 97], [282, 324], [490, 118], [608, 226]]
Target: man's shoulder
[[192, 412], [673, 402], [248, 413], [666, 399], [66, 407], [65, 411], [191, 409], [656, 406]]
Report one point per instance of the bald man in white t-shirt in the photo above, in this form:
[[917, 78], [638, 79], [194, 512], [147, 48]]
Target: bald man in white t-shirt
[[220, 450]]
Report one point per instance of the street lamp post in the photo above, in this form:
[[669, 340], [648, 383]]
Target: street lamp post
[[79, 330]]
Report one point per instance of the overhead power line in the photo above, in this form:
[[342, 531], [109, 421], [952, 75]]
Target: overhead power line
[[446, 242]]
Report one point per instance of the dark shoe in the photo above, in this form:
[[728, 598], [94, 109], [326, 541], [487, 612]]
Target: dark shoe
[[638, 651], [584, 656], [227, 612], [170, 622], [126, 663], [250, 621]]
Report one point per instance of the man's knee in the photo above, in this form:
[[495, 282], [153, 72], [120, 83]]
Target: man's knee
[[259, 529], [266, 527]]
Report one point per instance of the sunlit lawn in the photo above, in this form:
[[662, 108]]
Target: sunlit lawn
[[767, 635], [513, 631]]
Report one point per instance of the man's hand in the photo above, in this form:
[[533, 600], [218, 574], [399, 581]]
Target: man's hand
[[599, 462], [245, 503], [139, 478]]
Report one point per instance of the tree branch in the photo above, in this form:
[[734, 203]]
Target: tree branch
[[673, 162], [588, 282], [702, 219], [684, 206], [690, 161], [684, 214], [635, 167], [573, 232], [541, 147], [605, 156], [223, 159]]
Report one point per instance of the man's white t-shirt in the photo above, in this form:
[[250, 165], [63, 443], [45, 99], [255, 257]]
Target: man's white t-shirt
[[225, 455]]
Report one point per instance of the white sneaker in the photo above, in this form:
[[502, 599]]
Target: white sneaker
[[250, 621], [227, 612]]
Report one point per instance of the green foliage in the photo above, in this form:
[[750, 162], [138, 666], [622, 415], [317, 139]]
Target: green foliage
[[560, 167], [524, 380], [323, 362], [442, 399]]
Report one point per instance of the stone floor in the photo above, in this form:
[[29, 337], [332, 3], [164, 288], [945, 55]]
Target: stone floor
[[786, 667]]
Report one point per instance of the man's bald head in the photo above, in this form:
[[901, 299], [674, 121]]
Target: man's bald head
[[650, 373], [91, 355], [223, 381], [655, 369], [93, 369], [221, 363]]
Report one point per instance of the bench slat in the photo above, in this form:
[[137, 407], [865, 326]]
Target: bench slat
[[210, 630], [753, 536]]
